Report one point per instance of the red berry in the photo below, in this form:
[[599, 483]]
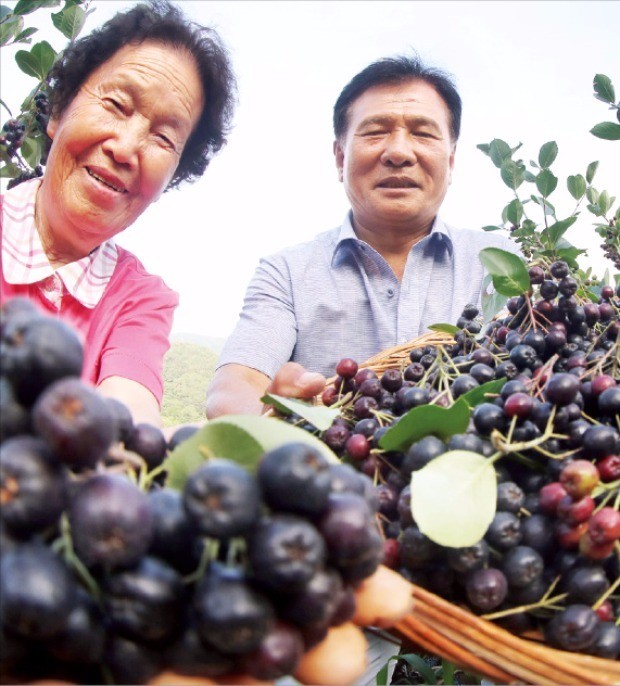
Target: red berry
[[601, 383], [609, 468], [391, 548], [604, 526], [588, 548], [579, 478], [357, 447], [569, 536], [607, 292], [329, 396], [550, 495], [605, 611], [518, 405], [575, 511], [346, 368]]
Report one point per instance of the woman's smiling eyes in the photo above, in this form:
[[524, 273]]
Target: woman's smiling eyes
[[118, 105]]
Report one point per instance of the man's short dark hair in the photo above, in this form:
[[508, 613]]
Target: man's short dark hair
[[399, 69], [161, 21]]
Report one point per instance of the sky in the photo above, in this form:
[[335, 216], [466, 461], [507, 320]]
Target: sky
[[524, 70]]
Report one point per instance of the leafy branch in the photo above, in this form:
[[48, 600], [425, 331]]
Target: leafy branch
[[531, 217], [23, 139]]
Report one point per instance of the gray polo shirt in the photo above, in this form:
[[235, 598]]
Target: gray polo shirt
[[335, 296]]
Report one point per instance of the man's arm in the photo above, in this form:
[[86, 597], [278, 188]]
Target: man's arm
[[236, 389], [139, 400]]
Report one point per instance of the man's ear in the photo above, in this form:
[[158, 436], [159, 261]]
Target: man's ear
[[339, 156], [52, 126], [452, 154]]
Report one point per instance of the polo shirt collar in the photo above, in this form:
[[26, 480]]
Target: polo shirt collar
[[440, 234], [24, 260]]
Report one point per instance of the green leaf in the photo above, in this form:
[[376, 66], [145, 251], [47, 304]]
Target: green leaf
[[447, 672], [445, 328], [461, 519], [424, 420], [546, 182], [10, 28], [24, 36], [28, 6], [9, 171], [38, 61], [318, 415], [604, 89], [70, 21], [493, 302], [485, 147], [592, 195], [514, 212], [604, 202], [512, 173], [591, 171], [242, 438], [479, 394], [31, 151], [529, 177], [547, 154], [491, 228], [499, 150], [552, 235], [607, 130], [508, 271], [576, 186]]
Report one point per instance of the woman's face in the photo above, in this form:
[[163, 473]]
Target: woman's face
[[116, 146]]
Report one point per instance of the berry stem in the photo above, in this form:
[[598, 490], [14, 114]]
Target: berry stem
[[74, 561], [610, 590]]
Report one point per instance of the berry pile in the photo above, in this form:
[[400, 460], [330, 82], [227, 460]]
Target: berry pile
[[550, 559], [106, 575]]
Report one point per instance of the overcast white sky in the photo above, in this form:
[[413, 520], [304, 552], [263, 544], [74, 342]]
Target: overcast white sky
[[524, 71]]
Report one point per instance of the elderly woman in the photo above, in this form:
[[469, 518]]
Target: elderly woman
[[137, 107]]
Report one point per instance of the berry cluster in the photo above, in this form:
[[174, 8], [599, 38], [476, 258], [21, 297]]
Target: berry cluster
[[106, 575], [12, 135], [550, 559], [30, 124]]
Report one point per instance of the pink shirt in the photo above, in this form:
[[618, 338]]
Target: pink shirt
[[122, 313]]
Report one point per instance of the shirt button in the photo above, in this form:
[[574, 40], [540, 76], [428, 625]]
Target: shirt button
[[390, 292]]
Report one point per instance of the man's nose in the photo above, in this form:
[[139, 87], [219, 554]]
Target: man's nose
[[399, 150]]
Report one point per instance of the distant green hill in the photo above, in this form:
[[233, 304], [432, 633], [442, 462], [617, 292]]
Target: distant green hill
[[188, 369], [214, 343]]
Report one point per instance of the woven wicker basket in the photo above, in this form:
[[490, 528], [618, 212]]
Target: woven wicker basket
[[476, 644]]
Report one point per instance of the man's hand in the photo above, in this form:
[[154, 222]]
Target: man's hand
[[294, 381], [236, 389]]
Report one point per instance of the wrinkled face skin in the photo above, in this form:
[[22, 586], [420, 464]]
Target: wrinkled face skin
[[396, 158], [116, 146]]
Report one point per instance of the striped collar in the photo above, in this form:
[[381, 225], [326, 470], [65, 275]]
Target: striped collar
[[24, 261]]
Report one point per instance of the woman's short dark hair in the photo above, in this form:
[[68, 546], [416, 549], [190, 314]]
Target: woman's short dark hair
[[399, 69], [158, 20]]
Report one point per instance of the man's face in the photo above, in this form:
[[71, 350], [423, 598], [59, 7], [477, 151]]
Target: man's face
[[396, 157]]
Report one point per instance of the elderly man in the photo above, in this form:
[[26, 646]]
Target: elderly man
[[388, 272]]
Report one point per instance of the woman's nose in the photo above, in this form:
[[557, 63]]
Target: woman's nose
[[125, 143]]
